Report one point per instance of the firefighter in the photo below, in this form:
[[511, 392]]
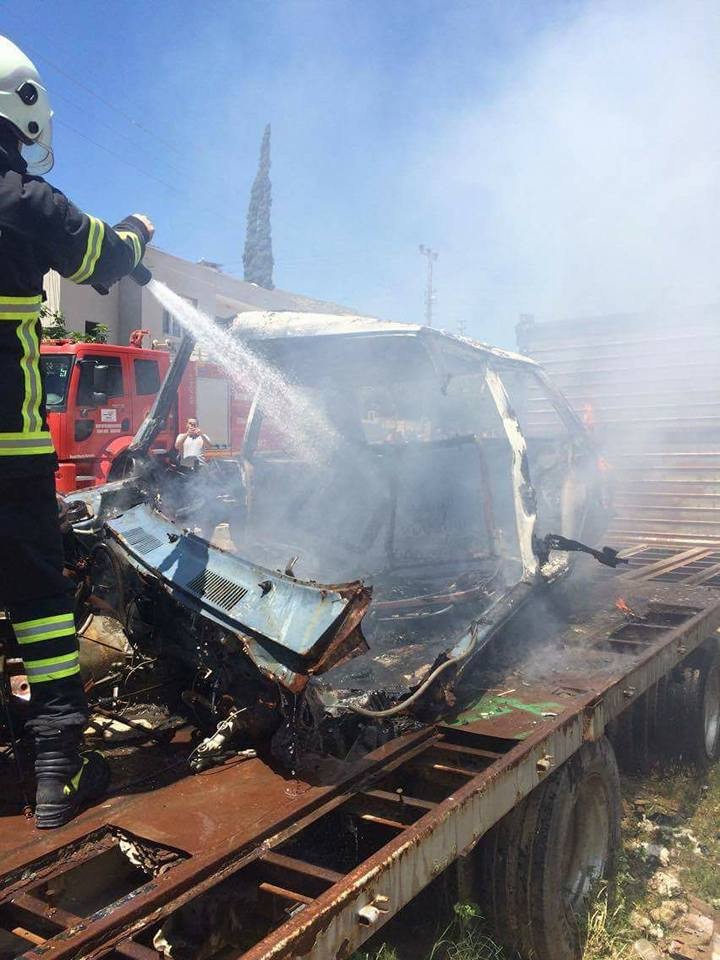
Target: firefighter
[[41, 229]]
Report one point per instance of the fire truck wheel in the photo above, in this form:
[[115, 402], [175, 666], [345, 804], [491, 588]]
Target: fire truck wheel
[[122, 467], [693, 709], [538, 867]]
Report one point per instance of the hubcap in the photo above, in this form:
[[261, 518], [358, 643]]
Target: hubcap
[[711, 709], [586, 848]]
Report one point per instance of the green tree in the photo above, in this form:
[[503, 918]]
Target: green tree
[[258, 256], [53, 328]]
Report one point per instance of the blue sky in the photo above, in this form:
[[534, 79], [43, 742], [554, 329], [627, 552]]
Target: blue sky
[[497, 132]]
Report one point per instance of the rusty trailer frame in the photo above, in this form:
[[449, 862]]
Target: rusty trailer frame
[[419, 803]]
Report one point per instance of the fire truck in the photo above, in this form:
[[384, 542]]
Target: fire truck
[[98, 394]]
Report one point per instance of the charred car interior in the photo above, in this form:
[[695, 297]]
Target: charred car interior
[[330, 589]]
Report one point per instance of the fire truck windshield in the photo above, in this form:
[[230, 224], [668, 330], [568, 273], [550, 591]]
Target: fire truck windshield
[[56, 374]]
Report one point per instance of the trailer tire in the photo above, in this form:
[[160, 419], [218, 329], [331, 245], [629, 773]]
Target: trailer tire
[[694, 706], [640, 734], [537, 867]]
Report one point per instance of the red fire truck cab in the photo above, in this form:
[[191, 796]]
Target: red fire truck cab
[[98, 394]]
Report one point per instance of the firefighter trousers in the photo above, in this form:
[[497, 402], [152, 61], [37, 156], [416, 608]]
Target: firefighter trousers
[[38, 600]]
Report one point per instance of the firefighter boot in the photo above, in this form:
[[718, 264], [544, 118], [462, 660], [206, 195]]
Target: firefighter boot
[[66, 779]]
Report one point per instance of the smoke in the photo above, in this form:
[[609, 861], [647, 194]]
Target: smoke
[[581, 180], [590, 183], [561, 157], [292, 413]]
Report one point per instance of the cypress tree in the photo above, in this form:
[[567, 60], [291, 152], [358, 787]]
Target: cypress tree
[[258, 257]]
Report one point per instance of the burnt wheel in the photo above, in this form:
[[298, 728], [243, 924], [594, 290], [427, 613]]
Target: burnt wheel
[[538, 866]]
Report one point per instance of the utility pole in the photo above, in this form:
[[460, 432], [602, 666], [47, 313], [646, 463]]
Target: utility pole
[[431, 256], [461, 327]]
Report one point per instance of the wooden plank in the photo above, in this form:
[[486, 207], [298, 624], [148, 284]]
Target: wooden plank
[[456, 771], [28, 935], [136, 951], [669, 563], [401, 799], [706, 574], [46, 911], [292, 865], [284, 894], [382, 821], [468, 751], [633, 551]]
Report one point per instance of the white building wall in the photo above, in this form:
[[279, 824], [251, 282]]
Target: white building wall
[[82, 304]]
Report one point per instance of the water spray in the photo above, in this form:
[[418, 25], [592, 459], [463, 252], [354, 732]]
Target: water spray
[[305, 427]]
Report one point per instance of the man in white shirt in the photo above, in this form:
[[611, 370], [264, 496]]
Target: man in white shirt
[[192, 442]]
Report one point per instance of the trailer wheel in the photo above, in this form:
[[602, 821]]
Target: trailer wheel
[[640, 735], [539, 865], [694, 706]]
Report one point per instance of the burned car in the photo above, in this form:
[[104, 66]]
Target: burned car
[[400, 495]]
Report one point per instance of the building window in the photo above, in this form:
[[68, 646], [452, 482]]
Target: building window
[[97, 330], [170, 325]]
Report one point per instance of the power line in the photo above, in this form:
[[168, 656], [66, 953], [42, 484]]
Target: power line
[[135, 123], [94, 118], [129, 163], [214, 213], [128, 118], [180, 151], [115, 132], [222, 214], [93, 93]]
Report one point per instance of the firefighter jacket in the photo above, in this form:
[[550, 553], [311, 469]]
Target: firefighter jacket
[[41, 229]]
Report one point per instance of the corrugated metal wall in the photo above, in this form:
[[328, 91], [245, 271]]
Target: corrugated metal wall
[[650, 390]]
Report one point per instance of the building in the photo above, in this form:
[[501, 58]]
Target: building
[[129, 307]]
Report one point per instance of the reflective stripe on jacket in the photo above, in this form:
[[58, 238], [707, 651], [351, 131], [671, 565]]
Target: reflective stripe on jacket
[[40, 229]]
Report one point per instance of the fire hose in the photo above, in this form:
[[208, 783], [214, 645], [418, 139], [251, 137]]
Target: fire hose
[[416, 694]]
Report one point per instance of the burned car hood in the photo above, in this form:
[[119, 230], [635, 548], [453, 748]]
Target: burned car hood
[[290, 629]]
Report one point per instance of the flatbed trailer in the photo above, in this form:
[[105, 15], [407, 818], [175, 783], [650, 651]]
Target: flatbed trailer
[[311, 866]]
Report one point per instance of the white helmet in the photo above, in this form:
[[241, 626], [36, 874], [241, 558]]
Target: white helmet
[[24, 103]]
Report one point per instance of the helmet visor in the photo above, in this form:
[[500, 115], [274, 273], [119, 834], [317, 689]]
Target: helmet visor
[[39, 155]]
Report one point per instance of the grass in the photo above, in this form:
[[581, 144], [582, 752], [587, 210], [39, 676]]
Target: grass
[[673, 804], [465, 938], [692, 804], [384, 953], [607, 927]]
